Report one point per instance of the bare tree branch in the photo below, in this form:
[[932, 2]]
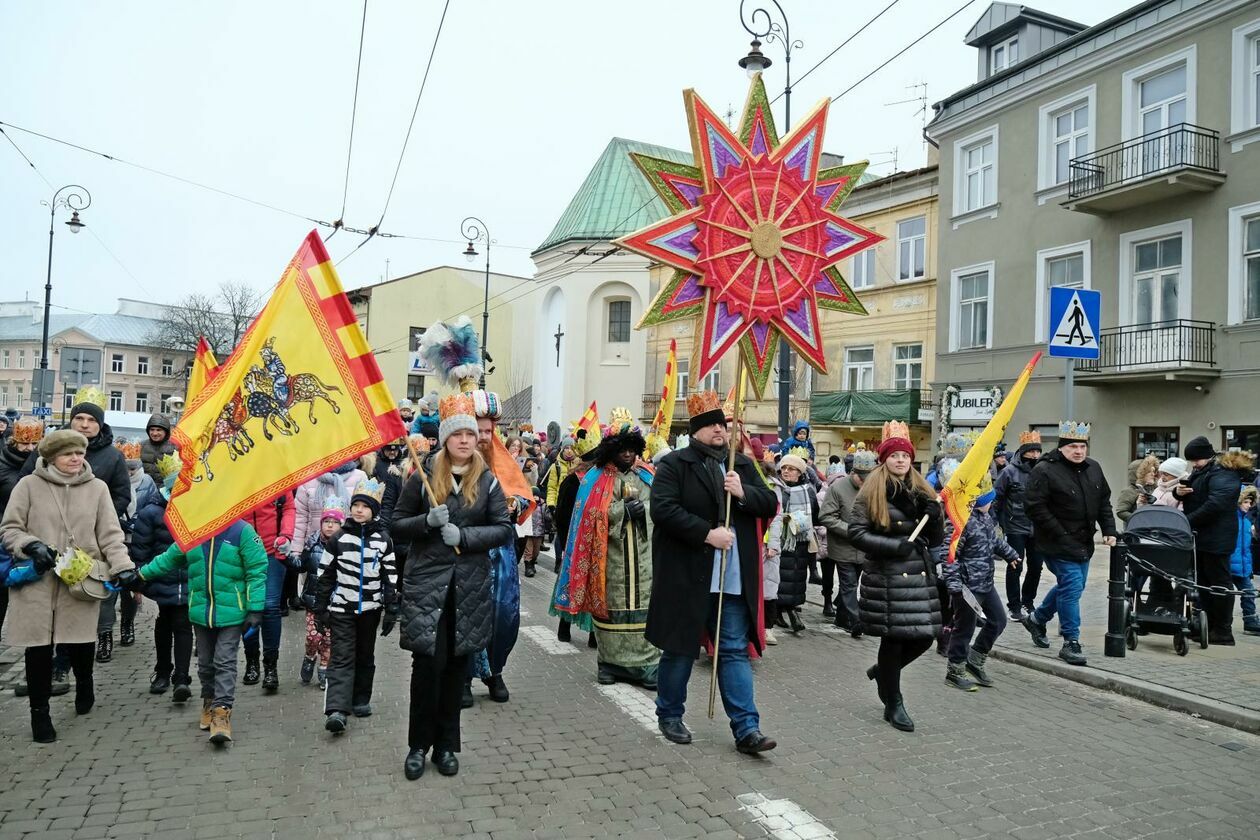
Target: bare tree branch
[[222, 318]]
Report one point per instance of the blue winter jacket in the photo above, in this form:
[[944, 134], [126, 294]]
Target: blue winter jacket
[[1240, 560], [149, 538], [973, 561], [792, 442]]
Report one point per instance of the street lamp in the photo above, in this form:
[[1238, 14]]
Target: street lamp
[[761, 24], [76, 198], [475, 230]]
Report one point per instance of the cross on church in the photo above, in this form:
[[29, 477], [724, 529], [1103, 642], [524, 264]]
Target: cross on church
[[559, 335]]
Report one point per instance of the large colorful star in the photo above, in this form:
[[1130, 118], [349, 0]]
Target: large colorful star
[[755, 238]]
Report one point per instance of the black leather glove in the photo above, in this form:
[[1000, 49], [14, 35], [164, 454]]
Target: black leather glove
[[129, 579], [388, 621], [321, 620], [635, 510], [253, 620], [907, 548], [42, 557], [308, 601]]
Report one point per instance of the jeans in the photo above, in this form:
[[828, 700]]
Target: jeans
[[352, 666], [271, 613], [1065, 596], [848, 576], [105, 620], [216, 663], [965, 624], [1016, 595], [735, 677], [1247, 602], [173, 630]]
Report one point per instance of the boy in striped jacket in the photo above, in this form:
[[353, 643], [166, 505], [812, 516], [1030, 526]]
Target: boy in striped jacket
[[354, 598]]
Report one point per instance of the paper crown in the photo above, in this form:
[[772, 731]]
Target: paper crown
[[130, 451], [800, 452], [957, 444], [895, 429], [371, 488], [619, 417], [419, 442], [91, 394], [865, 460], [334, 508], [28, 430], [454, 404], [703, 401], [486, 404], [948, 466], [169, 464], [1070, 430], [1026, 438]]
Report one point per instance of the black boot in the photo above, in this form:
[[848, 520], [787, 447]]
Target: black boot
[[84, 694], [160, 684], [795, 617], [895, 713], [271, 677], [183, 688], [590, 640], [42, 731], [466, 698], [814, 577], [829, 611], [127, 633], [498, 689], [104, 646], [251, 670], [872, 673], [530, 568], [564, 634]]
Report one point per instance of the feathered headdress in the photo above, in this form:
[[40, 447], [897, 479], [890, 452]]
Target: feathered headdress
[[454, 351]]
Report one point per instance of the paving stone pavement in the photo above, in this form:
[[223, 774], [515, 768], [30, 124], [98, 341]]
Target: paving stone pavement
[[1036, 757]]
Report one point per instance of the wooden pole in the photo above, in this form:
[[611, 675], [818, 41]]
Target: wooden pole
[[424, 479], [734, 444]]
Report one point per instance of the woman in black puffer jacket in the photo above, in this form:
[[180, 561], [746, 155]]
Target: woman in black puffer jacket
[[898, 600]]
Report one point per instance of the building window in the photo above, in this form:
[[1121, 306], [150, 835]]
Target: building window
[[1067, 265], [911, 248], [21, 397], [415, 388], [67, 401], [1246, 438], [618, 321], [1155, 274], [859, 368], [1004, 55], [1245, 84], [116, 365], [1251, 269], [115, 401], [1244, 264], [165, 404], [4, 395], [712, 382], [1160, 441], [976, 171], [1158, 95], [4, 358], [684, 377], [1066, 132], [142, 365], [168, 367], [971, 312], [21, 360], [908, 367], [142, 402], [863, 273]]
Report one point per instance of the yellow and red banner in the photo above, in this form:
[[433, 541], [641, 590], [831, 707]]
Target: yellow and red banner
[[301, 394], [963, 488], [203, 369], [669, 393], [590, 420]]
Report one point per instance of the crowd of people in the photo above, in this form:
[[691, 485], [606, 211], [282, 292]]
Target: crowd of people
[[662, 554]]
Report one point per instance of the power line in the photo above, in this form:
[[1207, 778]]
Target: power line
[[904, 49], [354, 110], [842, 45]]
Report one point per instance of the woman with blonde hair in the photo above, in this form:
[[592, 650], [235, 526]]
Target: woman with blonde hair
[[445, 581], [898, 600]]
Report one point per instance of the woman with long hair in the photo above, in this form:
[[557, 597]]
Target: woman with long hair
[[898, 600], [445, 581]]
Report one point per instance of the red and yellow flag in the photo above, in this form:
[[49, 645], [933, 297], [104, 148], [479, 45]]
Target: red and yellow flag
[[300, 395], [590, 420], [203, 369], [963, 488], [669, 393]]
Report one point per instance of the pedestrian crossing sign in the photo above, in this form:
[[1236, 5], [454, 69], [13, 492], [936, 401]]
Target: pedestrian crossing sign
[[1074, 322]]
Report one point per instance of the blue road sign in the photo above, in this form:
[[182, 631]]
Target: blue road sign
[[41, 411], [1074, 322]]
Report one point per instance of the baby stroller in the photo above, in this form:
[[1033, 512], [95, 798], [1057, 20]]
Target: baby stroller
[[1159, 539]]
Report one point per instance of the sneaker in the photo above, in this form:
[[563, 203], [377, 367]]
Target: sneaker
[[159, 684], [1071, 652], [771, 639], [1017, 615], [1252, 631], [1037, 630], [308, 670], [336, 723], [362, 710], [322, 676], [956, 676], [183, 690]]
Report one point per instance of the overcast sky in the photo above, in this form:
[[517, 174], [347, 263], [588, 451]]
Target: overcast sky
[[254, 98]]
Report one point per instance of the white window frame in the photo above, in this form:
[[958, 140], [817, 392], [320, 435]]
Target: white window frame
[[142, 401], [608, 305], [1005, 47], [1045, 132], [1043, 280], [142, 361], [4, 395], [1244, 114], [897, 278], [164, 403], [21, 360], [684, 379], [168, 367], [1237, 284], [922, 363], [955, 275], [121, 400], [121, 359], [712, 381], [1130, 122], [984, 211], [863, 261], [4, 358], [1185, 287], [858, 366]]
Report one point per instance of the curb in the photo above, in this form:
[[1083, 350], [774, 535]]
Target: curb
[[1204, 708]]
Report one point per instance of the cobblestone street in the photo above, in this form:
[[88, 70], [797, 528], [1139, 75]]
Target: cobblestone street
[[1035, 757]]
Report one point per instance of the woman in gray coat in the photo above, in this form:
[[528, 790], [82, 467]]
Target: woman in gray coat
[[446, 609]]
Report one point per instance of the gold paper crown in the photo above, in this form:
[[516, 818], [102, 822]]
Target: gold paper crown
[[28, 430], [420, 443], [169, 464], [702, 402], [1026, 438], [371, 488], [1071, 430], [800, 452], [130, 451], [620, 416], [895, 429], [91, 394], [454, 404]]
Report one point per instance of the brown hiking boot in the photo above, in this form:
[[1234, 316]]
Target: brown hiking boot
[[204, 725], [220, 725]]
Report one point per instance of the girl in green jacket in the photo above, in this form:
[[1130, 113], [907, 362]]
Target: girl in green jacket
[[227, 586]]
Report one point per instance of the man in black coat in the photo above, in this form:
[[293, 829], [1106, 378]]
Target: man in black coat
[[1211, 505], [688, 542], [1067, 498]]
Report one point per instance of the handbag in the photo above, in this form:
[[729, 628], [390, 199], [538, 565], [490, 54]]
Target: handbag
[[92, 586]]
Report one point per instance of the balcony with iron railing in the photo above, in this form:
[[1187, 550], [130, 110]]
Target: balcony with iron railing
[[1153, 167], [1180, 349]]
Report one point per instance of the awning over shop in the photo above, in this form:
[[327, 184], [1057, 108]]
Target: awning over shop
[[863, 407]]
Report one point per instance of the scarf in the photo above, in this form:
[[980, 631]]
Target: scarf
[[715, 458]]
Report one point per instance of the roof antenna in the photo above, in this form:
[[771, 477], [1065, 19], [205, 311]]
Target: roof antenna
[[922, 99]]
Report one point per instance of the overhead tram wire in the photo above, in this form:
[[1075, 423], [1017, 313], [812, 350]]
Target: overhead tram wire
[[354, 111], [842, 45], [903, 50]]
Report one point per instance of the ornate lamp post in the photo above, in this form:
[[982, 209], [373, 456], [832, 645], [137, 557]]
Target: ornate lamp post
[[76, 198], [761, 24], [475, 230]]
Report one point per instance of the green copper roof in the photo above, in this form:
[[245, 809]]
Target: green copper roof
[[615, 199]]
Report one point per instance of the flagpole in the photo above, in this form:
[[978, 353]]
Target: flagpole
[[730, 467], [424, 479]]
